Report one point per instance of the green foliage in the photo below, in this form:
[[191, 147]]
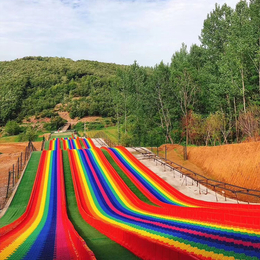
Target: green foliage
[[55, 124], [12, 128], [33, 85], [201, 97], [48, 113], [95, 125], [29, 135]]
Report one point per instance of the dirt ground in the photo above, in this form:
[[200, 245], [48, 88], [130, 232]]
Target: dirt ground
[[174, 152], [66, 116], [9, 155], [236, 164], [33, 120]]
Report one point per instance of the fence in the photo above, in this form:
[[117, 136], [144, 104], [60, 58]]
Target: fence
[[227, 190], [43, 143], [222, 188], [15, 172]]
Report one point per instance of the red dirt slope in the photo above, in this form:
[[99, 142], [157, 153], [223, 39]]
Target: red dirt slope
[[238, 164]]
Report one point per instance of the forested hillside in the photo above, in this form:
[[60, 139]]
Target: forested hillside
[[34, 85], [209, 94]]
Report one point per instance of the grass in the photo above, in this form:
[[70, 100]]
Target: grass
[[23, 193], [46, 145], [16, 138], [9, 139], [111, 132], [61, 135], [125, 178], [103, 247]]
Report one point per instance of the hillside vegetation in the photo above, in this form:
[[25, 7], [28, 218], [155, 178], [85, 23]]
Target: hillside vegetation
[[207, 95], [35, 85]]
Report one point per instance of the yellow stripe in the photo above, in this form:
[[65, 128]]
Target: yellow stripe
[[16, 243], [157, 185], [167, 241], [119, 192]]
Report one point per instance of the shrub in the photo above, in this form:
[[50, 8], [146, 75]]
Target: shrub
[[12, 128], [79, 126], [29, 135], [96, 126], [48, 113], [55, 123]]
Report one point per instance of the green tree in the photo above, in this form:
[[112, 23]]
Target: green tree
[[183, 77], [12, 128]]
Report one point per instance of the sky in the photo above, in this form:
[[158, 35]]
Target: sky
[[114, 31]]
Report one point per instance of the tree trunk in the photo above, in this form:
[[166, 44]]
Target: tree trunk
[[187, 139], [235, 109], [243, 89], [166, 119], [125, 115], [259, 68], [118, 125]]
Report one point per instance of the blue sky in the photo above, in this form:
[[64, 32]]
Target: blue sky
[[117, 31]]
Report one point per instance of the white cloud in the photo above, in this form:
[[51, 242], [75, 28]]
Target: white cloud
[[111, 31]]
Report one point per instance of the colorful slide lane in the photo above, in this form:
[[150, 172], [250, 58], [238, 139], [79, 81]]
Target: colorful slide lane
[[74, 143], [44, 230], [54, 144], [156, 189], [166, 232]]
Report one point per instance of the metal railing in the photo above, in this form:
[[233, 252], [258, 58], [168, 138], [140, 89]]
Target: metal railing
[[225, 189]]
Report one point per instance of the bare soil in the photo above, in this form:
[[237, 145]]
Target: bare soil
[[237, 164], [9, 155], [66, 116], [34, 120]]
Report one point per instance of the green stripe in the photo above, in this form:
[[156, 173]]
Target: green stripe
[[103, 247], [23, 193], [25, 247]]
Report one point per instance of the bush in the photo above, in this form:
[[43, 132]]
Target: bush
[[55, 123], [12, 128], [29, 135], [79, 126], [95, 126], [48, 113], [127, 140]]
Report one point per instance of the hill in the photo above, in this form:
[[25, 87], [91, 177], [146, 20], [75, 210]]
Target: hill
[[35, 85]]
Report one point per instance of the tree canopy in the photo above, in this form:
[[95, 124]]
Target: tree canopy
[[208, 94]]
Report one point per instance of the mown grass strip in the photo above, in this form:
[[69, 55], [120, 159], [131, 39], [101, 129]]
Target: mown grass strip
[[23, 193], [62, 135], [46, 145], [103, 247], [127, 181], [82, 144]]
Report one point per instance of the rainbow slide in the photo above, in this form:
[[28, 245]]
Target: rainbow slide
[[44, 230], [175, 229], [156, 189]]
